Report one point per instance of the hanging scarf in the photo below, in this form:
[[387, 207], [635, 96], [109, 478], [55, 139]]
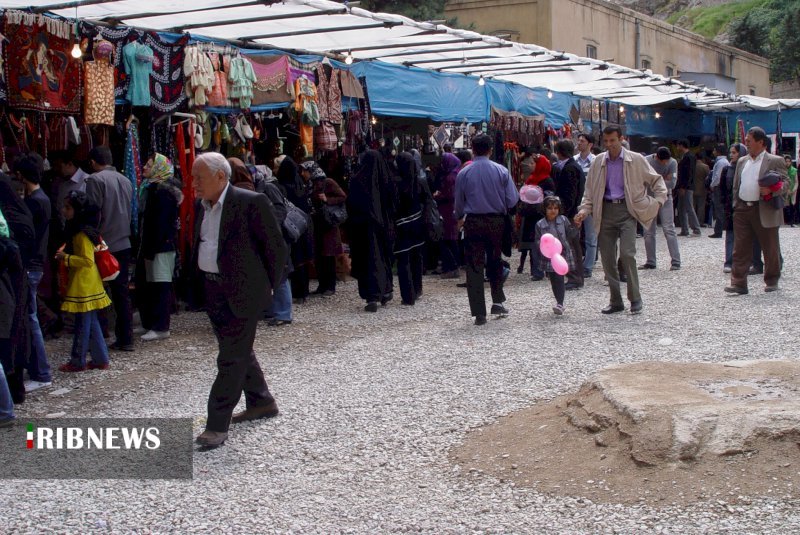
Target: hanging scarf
[[159, 169], [132, 170]]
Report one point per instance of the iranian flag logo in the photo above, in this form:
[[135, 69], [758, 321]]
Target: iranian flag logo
[[30, 437]]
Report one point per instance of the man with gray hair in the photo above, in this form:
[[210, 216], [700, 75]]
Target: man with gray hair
[[754, 217], [240, 255]]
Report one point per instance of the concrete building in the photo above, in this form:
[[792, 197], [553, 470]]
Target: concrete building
[[602, 30]]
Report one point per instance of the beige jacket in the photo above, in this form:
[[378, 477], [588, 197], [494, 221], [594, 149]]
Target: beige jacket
[[638, 176], [770, 217]]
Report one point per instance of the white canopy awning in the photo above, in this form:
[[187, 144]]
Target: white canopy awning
[[334, 29]]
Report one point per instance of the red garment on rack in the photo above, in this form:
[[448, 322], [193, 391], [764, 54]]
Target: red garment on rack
[[186, 161]]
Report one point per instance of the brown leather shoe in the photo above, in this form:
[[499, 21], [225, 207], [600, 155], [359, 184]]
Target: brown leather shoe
[[256, 413], [211, 439]]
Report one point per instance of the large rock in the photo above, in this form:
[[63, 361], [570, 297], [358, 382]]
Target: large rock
[[672, 412]]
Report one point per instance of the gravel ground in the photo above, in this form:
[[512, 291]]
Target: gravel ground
[[371, 404]]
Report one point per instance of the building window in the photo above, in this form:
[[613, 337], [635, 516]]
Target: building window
[[591, 51], [645, 64], [670, 72], [752, 91]]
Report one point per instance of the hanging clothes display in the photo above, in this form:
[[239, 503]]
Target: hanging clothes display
[[99, 86], [167, 80], [41, 73], [351, 87], [198, 71], [118, 37], [133, 170], [138, 61], [307, 111], [241, 77], [272, 79], [329, 95], [219, 91], [186, 155]]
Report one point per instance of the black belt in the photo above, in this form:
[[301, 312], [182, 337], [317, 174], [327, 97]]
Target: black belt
[[214, 277], [614, 201]]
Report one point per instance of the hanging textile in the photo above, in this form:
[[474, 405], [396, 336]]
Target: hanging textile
[[3, 82], [40, 71], [272, 79], [242, 77], [138, 60], [198, 71], [350, 85], [133, 170], [329, 95], [99, 92], [219, 91], [306, 111], [186, 213], [167, 80], [297, 69], [118, 37]]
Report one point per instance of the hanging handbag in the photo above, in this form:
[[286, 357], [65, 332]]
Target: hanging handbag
[[295, 224], [334, 214], [434, 224], [106, 264]]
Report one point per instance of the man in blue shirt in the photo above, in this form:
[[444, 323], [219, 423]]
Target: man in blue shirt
[[485, 193]]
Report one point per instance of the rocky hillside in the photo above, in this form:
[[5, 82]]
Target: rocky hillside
[[710, 18]]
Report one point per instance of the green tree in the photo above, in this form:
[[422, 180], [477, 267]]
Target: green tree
[[785, 48], [421, 10]]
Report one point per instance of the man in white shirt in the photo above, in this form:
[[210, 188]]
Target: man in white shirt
[[753, 217], [240, 254], [585, 157]]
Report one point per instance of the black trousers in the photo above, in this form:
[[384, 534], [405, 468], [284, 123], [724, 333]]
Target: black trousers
[[483, 235], [409, 274], [237, 367], [299, 281], [326, 273], [121, 299], [558, 287], [155, 305]]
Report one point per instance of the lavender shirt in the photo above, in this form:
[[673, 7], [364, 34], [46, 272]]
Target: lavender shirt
[[615, 179]]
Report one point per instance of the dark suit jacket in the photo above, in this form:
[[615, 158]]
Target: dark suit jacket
[[770, 217], [686, 169], [252, 253], [570, 184]]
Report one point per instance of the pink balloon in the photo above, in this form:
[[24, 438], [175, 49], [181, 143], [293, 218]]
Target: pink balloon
[[550, 246], [559, 264], [546, 244]]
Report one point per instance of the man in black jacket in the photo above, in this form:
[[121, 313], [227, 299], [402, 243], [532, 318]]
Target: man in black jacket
[[570, 183], [685, 187], [241, 255]]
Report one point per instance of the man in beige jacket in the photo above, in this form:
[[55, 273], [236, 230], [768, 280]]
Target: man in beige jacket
[[616, 197]]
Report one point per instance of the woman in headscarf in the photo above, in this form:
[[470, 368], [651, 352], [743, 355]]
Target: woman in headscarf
[[370, 209], [12, 318], [85, 294], [298, 193], [736, 151], [160, 200], [445, 198], [328, 240], [409, 227]]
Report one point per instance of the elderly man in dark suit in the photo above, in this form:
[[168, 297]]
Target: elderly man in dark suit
[[753, 217], [240, 254]]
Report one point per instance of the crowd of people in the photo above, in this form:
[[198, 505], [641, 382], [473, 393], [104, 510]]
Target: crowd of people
[[262, 233]]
